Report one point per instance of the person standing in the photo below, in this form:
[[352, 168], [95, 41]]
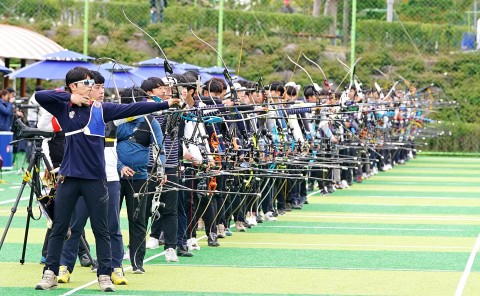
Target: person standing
[[82, 172], [6, 111]]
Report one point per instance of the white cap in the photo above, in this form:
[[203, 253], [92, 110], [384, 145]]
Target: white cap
[[238, 87], [296, 86]]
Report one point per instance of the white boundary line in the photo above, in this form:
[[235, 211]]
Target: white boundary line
[[350, 245], [13, 200], [367, 228], [468, 268], [125, 269], [312, 267]]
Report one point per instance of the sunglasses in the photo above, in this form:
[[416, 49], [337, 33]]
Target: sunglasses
[[86, 82]]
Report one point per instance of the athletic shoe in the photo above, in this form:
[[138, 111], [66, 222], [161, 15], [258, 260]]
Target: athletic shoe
[[221, 231], [138, 270], [228, 232], [63, 275], [239, 227], [212, 240], [118, 277], [192, 244], [49, 281], [152, 243], [105, 283], [269, 217], [183, 252], [43, 260], [85, 261], [171, 255], [252, 220]]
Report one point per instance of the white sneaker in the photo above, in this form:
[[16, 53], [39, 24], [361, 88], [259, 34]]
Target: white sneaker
[[152, 243], [192, 244], [49, 281], [105, 283], [269, 217], [126, 255], [344, 184], [252, 220], [171, 255]]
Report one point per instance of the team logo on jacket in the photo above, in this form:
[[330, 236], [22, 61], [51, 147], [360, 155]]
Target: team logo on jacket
[[71, 114]]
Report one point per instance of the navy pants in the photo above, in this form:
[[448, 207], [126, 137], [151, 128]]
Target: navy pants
[[136, 211], [168, 215], [95, 195], [79, 220]]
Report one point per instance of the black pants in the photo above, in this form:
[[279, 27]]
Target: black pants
[[136, 208], [168, 221], [95, 195]]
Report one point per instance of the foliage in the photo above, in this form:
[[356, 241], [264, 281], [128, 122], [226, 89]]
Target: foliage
[[258, 23], [426, 37]]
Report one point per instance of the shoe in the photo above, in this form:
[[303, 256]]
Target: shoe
[[259, 218], [344, 184], [138, 270], [228, 232], [306, 201], [239, 227], [281, 211], [247, 225], [212, 240], [63, 275], [118, 277], [183, 252], [126, 255], [105, 283], [85, 261], [288, 207], [330, 189], [275, 213], [94, 266], [221, 231], [269, 217], [200, 224], [49, 281], [192, 244], [296, 206], [43, 260], [171, 255], [358, 179], [152, 243], [252, 220]]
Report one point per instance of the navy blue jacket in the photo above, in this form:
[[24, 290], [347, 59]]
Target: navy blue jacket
[[6, 113], [84, 155]]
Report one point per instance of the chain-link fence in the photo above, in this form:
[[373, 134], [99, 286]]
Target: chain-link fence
[[422, 25]]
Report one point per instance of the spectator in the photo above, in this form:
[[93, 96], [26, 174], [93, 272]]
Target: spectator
[[286, 8], [6, 111]]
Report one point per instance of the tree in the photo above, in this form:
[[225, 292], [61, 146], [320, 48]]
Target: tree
[[331, 7], [316, 7]]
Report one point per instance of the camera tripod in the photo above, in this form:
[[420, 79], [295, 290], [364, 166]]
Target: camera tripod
[[32, 178]]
